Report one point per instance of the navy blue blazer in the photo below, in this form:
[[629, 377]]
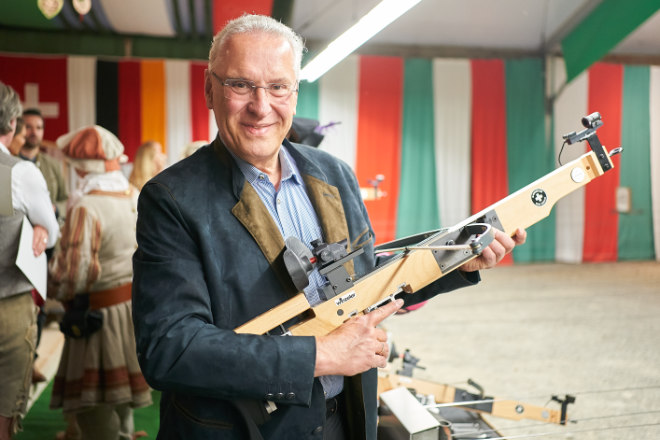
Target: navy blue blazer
[[208, 260]]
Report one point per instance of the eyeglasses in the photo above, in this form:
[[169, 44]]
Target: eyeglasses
[[243, 88]]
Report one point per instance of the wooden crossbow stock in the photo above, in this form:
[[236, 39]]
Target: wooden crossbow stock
[[425, 257]]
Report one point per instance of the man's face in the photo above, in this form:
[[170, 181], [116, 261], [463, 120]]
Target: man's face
[[34, 127], [18, 142], [252, 126]]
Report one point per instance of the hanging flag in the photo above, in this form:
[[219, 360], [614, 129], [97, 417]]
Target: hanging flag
[[444, 135], [40, 83]]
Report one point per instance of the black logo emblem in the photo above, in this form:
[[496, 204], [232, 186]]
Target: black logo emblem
[[539, 197]]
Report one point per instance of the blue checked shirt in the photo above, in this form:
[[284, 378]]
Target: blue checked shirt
[[294, 215]]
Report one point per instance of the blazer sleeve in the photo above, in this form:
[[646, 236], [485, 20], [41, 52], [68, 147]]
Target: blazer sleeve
[[180, 347]]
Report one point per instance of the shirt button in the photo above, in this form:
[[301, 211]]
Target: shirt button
[[318, 430], [290, 396], [279, 201]]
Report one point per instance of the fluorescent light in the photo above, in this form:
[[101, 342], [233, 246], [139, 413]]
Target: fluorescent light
[[373, 22]]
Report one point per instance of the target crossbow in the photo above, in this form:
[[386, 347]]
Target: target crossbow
[[421, 259]]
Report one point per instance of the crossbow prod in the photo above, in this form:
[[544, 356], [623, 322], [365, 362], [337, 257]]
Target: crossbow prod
[[423, 258]]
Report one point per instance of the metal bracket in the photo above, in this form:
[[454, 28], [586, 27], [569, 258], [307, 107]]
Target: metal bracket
[[591, 123], [456, 247]]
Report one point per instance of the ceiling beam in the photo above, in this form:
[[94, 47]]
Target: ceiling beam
[[552, 46]]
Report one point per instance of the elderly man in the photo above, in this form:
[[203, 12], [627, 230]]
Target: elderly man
[[211, 229], [26, 196]]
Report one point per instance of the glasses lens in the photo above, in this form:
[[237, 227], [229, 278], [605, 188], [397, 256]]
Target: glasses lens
[[244, 88], [239, 87], [279, 90]]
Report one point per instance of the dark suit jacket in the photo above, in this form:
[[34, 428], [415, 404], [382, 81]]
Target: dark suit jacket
[[209, 260]]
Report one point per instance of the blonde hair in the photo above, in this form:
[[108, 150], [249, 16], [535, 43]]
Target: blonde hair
[[192, 147], [144, 165]]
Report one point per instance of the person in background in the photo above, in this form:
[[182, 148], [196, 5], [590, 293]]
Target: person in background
[[19, 137], [26, 196], [50, 167], [211, 231], [149, 161], [98, 379], [190, 148]]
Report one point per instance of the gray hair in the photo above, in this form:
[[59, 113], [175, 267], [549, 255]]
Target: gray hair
[[10, 108], [259, 23]]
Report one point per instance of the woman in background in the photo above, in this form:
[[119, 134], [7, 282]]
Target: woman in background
[[149, 161]]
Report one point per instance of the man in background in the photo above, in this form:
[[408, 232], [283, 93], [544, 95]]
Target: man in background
[[49, 166], [51, 170], [25, 196]]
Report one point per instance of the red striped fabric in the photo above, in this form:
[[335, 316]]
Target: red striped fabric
[[130, 107], [489, 157], [199, 112], [379, 137], [601, 221], [223, 10], [489, 181]]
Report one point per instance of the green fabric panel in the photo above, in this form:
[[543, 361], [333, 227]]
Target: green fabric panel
[[79, 43], [417, 210], [308, 100], [168, 47], [308, 93], [635, 240], [25, 13], [283, 11], [529, 156], [602, 30]]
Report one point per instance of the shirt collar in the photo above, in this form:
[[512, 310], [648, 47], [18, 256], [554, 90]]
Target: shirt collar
[[33, 160], [254, 174]]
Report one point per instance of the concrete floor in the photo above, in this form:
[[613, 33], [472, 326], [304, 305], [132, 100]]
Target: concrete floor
[[527, 332], [530, 331]]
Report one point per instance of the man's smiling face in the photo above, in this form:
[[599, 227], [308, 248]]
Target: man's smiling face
[[253, 126]]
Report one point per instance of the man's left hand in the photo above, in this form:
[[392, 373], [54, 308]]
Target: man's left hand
[[39, 240], [501, 245]]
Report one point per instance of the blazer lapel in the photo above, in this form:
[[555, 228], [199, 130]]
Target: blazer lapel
[[330, 212], [254, 215]]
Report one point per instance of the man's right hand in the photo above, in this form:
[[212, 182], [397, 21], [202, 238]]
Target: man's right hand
[[356, 346]]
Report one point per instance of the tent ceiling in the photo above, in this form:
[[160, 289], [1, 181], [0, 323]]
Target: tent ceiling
[[432, 28], [468, 27]]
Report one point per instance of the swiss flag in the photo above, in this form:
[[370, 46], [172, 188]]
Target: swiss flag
[[40, 83]]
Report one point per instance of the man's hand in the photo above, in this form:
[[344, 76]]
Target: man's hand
[[493, 254], [356, 346], [39, 240]]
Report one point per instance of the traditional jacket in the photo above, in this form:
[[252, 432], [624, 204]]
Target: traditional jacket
[[208, 260]]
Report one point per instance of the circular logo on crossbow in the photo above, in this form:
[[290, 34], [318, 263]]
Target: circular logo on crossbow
[[539, 197]]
